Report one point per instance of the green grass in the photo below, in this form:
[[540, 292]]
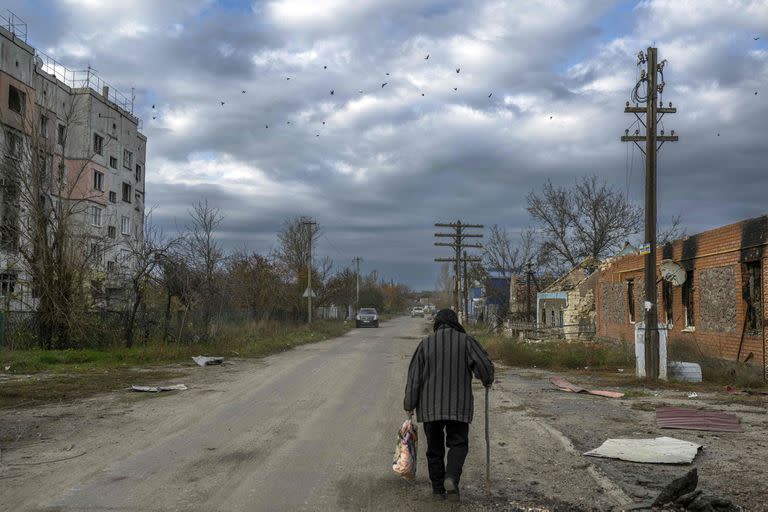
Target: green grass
[[59, 375], [603, 360], [557, 354]]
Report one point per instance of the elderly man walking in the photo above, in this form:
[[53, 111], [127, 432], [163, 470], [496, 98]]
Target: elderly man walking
[[439, 388]]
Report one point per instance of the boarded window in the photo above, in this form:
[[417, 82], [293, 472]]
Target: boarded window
[[16, 100], [688, 300], [751, 289], [631, 299]]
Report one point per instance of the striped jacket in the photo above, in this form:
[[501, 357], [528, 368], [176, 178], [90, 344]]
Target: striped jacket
[[440, 376]]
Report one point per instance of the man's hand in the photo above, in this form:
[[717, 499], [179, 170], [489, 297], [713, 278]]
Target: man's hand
[[409, 413]]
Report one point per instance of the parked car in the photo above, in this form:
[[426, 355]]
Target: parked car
[[367, 317], [417, 311]]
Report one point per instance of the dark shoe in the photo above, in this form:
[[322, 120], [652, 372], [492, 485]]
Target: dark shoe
[[451, 490]]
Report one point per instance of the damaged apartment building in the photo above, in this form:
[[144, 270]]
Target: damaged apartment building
[[73, 143], [719, 309]]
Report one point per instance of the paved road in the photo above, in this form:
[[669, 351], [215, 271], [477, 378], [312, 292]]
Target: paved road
[[308, 429]]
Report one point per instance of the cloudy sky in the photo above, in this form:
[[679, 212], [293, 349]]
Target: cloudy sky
[[389, 162]]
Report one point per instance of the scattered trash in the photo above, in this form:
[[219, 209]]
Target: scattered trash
[[404, 463], [207, 361], [692, 394], [697, 419], [157, 389], [686, 372], [563, 385], [734, 391], [621, 370], [7, 368], [661, 450]]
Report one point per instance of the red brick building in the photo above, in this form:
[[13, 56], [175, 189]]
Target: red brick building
[[721, 301]]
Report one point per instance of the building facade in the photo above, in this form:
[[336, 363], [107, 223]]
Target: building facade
[[83, 143], [568, 304], [720, 307]]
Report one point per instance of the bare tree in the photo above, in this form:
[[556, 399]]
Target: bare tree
[[144, 260], [505, 254], [205, 257], [46, 221], [589, 219]]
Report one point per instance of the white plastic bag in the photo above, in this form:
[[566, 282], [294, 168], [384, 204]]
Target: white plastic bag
[[404, 463]]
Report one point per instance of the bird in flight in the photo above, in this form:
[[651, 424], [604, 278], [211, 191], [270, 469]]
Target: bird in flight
[[153, 106], [550, 117], [718, 134], [756, 38], [331, 92], [422, 94], [317, 135], [360, 91], [755, 93], [427, 57], [243, 92], [289, 122], [385, 83], [457, 70], [455, 88], [287, 78], [266, 126], [387, 74], [490, 94], [325, 67], [222, 103], [154, 117]]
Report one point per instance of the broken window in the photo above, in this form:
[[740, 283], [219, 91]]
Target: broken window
[[7, 283], [688, 300], [127, 192], [16, 100], [98, 144], [666, 297], [98, 180], [631, 300], [138, 173], [127, 159], [751, 290], [61, 134]]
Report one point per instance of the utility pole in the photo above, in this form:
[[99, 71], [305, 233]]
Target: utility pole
[[653, 114], [467, 259], [357, 282], [528, 272], [458, 244], [309, 291]]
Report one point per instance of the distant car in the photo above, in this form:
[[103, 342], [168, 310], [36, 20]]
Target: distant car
[[367, 317], [417, 311]]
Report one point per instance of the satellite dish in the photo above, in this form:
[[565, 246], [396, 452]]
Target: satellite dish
[[672, 272]]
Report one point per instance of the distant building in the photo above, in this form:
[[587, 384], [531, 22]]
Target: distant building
[[720, 306], [77, 117], [568, 304]]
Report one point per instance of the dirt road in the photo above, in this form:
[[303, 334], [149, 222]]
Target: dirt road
[[308, 429]]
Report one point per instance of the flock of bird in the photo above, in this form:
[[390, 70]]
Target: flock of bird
[[332, 92]]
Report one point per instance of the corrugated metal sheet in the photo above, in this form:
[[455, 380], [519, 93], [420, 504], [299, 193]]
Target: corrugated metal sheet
[[697, 419]]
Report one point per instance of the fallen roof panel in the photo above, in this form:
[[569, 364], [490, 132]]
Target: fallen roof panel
[[697, 419], [662, 450]]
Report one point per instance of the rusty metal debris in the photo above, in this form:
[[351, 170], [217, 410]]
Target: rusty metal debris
[[563, 385], [697, 419]]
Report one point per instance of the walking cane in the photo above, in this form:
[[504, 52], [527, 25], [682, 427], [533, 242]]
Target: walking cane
[[487, 449]]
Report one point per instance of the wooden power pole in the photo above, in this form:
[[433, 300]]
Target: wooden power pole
[[653, 114], [467, 259], [309, 291], [357, 282], [458, 244]]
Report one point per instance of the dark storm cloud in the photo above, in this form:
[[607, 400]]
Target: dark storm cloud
[[390, 162]]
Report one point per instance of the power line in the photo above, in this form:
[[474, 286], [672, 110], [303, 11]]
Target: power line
[[458, 244]]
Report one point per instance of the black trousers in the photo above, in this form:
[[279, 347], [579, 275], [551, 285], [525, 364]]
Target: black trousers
[[454, 435]]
